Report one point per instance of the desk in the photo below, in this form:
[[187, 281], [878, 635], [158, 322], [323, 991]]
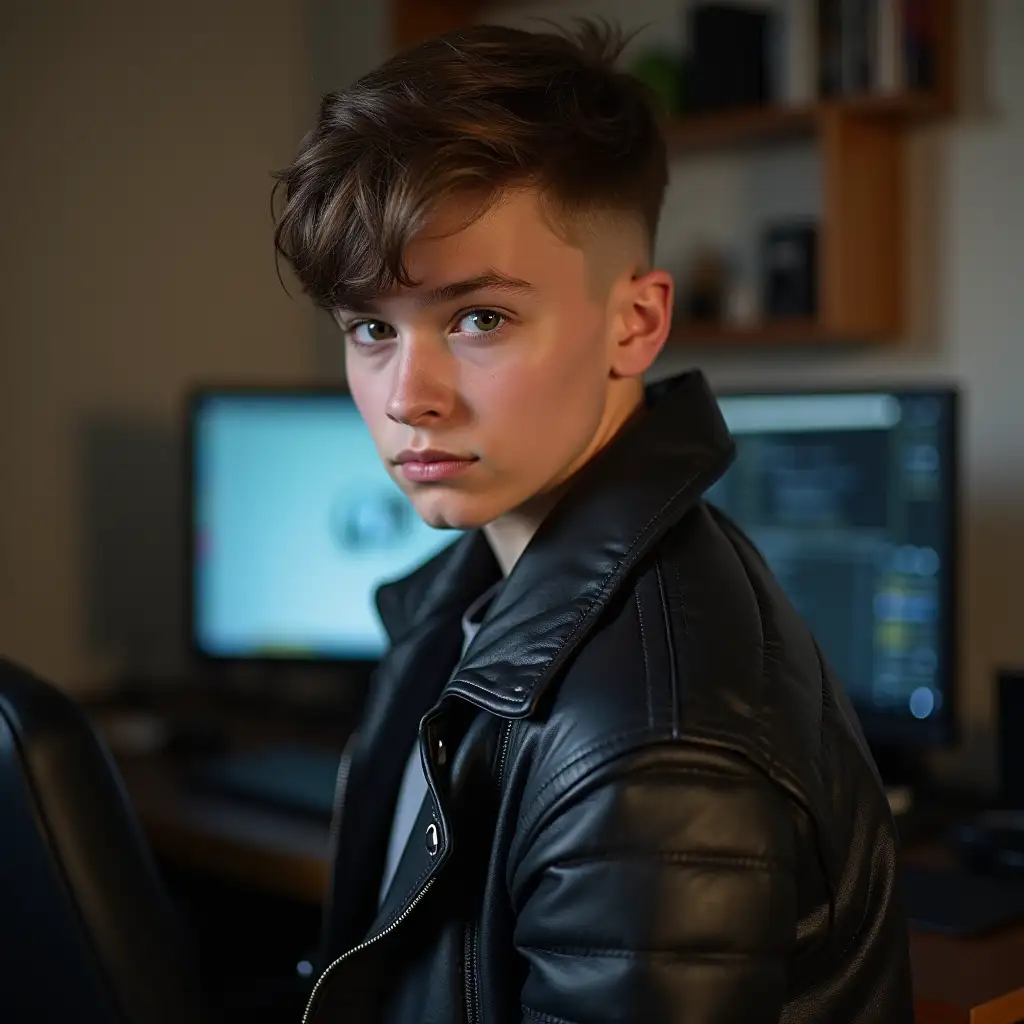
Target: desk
[[956, 981], [279, 853], [969, 981]]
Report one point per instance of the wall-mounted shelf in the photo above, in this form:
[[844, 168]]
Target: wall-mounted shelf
[[765, 125], [861, 140], [796, 331]]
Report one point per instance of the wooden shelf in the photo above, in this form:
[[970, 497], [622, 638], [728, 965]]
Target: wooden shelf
[[906, 106], [737, 128], [861, 140], [797, 331], [758, 125]]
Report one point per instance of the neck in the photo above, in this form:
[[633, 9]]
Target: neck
[[509, 535]]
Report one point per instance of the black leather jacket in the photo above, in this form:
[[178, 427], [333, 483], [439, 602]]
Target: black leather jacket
[[648, 798]]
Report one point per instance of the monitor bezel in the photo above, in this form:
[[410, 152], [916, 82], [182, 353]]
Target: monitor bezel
[[882, 729], [355, 668]]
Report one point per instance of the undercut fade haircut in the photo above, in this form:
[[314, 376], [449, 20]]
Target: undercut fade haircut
[[468, 115]]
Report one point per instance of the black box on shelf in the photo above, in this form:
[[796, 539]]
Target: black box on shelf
[[728, 57], [789, 260]]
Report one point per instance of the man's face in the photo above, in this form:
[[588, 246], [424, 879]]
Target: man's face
[[487, 384]]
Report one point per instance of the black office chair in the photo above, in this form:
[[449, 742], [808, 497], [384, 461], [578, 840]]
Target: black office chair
[[87, 931]]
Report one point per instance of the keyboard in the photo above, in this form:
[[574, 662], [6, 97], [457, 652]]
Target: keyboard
[[960, 903], [294, 779]]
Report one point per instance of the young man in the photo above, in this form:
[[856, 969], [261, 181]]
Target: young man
[[603, 773]]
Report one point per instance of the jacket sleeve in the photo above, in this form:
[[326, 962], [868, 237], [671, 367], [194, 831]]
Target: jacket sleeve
[[659, 890]]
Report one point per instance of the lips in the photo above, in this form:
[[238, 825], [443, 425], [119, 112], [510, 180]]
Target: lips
[[427, 455], [432, 465]]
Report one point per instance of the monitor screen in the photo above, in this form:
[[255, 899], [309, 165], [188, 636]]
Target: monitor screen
[[295, 523], [850, 498]]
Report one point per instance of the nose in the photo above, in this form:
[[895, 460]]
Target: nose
[[421, 389]]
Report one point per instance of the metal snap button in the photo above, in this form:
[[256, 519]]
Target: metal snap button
[[433, 840], [442, 753]]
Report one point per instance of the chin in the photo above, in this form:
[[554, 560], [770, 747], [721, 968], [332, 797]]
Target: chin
[[453, 511]]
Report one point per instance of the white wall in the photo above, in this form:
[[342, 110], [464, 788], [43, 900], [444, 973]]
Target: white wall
[[136, 258]]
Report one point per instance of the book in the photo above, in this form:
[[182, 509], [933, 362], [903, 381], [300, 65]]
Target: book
[[798, 52], [889, 76]]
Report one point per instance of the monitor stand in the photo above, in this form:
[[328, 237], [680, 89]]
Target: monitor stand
[[899, 765], [901, 771]]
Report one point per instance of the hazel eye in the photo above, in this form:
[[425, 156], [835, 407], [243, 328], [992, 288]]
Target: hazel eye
[[369, 332], [481, 321]]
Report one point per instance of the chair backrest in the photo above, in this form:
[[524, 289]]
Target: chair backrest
[[87, 930]]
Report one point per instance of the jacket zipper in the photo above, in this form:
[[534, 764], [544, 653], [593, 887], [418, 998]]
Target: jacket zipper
[[364, 945], [469, 957], [470, 952], [506, 741], [472, 996]]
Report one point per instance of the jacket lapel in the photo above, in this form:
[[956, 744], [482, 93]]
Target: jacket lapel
[[423, 617], [622, 503], [619, 507]]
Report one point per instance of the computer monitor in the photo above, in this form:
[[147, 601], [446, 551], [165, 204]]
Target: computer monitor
[[294, 523], [851, 498]]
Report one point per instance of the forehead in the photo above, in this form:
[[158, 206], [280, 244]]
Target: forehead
[[511, 234]]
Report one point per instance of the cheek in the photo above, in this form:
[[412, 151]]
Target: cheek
[[367, 394], [569, 372], [543, 404]]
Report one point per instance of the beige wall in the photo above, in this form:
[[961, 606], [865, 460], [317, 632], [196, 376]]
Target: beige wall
[[348, 39], [136, 258]]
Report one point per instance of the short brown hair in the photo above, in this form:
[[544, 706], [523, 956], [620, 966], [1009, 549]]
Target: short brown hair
[[473, 112]]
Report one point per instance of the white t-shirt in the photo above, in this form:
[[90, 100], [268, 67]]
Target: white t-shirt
[[413, 789]]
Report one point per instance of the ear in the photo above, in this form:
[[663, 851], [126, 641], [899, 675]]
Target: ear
[[641, 322]]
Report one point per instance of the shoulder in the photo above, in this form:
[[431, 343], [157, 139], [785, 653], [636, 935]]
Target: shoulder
[[700, 651]]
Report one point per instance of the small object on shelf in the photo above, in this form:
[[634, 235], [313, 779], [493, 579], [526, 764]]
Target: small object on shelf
[[920, 26], [879, 46], [742, 308], [663, 73], [704, 288], [889, 75], [830, 47], [849, 38], [795, 52], [729, 57], [789, 255]]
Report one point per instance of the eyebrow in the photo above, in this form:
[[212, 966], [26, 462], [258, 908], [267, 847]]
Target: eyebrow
[[489, 281]]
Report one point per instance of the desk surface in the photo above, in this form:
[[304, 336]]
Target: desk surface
[[280, 853], [974, 981]]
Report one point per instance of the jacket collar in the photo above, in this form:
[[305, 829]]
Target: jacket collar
[[620, 505]]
